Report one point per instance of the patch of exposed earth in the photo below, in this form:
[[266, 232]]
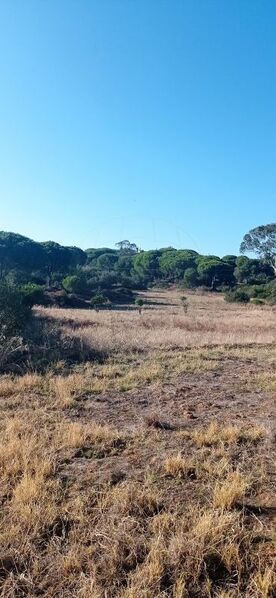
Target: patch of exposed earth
[[159, 415]]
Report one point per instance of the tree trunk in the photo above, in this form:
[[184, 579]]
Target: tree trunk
[[273, 264]]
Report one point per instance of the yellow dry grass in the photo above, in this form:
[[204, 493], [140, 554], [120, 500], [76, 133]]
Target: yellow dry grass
[[231, 490], [264, 381], [210, 321], [121, 372], [123, 540], [175, 465], [215, 434], [25, 383], [95, 508], [75, 434]]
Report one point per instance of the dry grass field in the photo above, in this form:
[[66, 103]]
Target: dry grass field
[[150, 473], [164, 325]]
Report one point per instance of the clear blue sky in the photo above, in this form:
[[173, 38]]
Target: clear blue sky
[[151, 120]]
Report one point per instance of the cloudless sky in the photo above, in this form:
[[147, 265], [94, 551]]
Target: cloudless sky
[[147, 120]]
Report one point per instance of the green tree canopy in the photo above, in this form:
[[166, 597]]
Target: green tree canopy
[[230, 259], [190, 278], [107, 261], [19, 252], [61, 259], [214, 272], [146, 263], [127, 247], [248, 271], [174, 262], [94, 253], [262, 242]]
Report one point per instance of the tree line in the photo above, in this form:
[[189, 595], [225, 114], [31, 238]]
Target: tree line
[[115, 273]]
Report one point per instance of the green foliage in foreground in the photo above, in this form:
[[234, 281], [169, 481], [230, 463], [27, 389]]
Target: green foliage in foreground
[[33, 294], [14, 311]]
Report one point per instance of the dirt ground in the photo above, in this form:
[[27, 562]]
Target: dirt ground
[[186, 403]]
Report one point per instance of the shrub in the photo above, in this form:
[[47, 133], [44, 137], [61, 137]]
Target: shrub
[[14, 315], [257, 301], [49, 345], [14, 312], [98, 301], [11, 350], [184, 302], [224, 288], [139, 302], [266, 292], [271, 297], [237, 296], [258, 291], [75, 284], [33, 294]]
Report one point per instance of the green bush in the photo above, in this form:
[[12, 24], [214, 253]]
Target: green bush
[[33, 294], [258, 291], [98, 301], [224, 288], [75, 284], [271, 296], [139, 302], [184, 301], [257, 301], [265, 292], [237, 296], [14, 312]]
